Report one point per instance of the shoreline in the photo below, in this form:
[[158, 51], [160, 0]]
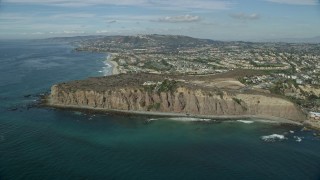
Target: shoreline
[[256, 118], [115, 71], [114, 64]]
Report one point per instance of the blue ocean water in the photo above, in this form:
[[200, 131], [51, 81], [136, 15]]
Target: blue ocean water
[[44, 143]]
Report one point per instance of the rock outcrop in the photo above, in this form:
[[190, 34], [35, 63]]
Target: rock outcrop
[[131, 95]]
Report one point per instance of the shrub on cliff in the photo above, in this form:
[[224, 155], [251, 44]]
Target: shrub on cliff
[[167, 86]]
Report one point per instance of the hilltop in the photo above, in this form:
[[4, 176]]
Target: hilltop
[[205, 96]]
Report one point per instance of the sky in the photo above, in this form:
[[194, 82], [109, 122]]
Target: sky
[[248, 20]]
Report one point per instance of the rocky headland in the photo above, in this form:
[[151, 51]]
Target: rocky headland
[[209, 96]]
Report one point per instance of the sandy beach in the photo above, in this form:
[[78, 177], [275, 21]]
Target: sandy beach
[[114, 64], [114, 67]]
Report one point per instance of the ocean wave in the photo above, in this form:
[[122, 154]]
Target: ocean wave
[[188, 119], [152, 119], [245, 121], [77, 113], [109, 56], [106, 70], [297, 138], [268, 121], [107, 64], [273, 138], [181, 119]]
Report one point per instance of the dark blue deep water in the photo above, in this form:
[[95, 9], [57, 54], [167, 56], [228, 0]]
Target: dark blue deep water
[[44, 143]]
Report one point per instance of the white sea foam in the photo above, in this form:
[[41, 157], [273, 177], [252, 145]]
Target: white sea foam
[[107, 64], [188, 119], [245, 121], [107, 69], [77, 113], [152, 119], [268, 121], [273, 138], [291, 132], [297, 138]]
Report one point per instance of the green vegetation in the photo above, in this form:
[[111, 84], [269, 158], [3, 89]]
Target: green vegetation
[[276, 71], [201, 60], [277, 88], [167, 86], [266, 64], [158, 65], [242, 80], [291, 83], [238, 101], [149, 88], [116, 59]]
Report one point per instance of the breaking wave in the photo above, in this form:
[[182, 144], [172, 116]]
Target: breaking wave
[[273, 138], [297, 138], [182, 119], [188, 119], [245, 121], [107, 69]]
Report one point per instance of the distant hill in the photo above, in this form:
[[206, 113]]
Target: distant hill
[[152, 40], [74, 38], [298, 40], [170, 40]]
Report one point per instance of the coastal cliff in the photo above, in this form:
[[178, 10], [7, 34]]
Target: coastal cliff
[[155, 93]]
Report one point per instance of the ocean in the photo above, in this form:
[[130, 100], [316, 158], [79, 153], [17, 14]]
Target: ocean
[[46, 143]]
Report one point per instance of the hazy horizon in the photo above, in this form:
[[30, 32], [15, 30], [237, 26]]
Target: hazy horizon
[[226, 20], [311, 40]]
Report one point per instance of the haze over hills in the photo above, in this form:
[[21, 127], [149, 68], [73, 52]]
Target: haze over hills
[[178, 38], [297, 40]]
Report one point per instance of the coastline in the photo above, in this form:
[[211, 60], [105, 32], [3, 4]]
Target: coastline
[[256, 118], [114, 64], [312, 124], [115, 71]]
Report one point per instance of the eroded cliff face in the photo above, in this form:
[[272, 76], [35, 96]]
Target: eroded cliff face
[[182, 100]]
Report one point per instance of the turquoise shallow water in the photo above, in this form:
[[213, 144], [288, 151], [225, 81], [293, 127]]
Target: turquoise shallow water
[[44, 143]]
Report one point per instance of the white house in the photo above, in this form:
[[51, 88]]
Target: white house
[[314, 115]]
